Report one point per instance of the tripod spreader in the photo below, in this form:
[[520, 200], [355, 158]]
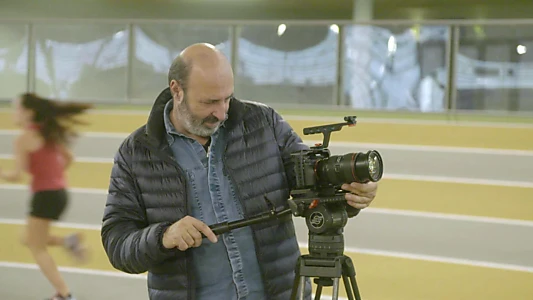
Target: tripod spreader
[[224, 227]]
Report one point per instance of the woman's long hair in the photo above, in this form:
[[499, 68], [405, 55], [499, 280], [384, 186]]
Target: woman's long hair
[[55, 119]]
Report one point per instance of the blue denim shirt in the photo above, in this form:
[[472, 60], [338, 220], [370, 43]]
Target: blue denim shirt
[[227, 269]]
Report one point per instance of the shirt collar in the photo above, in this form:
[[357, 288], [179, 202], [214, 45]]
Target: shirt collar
[[169, 127]]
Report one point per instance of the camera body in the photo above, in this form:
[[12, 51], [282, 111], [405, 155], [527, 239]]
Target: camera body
[[305, 163]]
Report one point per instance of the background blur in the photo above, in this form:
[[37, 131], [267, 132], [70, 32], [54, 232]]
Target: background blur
[[443, 89], [373, 55]]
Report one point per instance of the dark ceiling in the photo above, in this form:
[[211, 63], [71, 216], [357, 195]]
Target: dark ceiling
[[265, 9], [453, 9]]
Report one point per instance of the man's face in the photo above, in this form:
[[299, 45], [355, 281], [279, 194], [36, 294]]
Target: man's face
[[203, 105]]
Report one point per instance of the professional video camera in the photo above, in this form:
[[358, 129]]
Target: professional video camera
[[317, 196]]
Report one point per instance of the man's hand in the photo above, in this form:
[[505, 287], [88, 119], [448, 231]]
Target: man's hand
[[360, 194], [187, 233]]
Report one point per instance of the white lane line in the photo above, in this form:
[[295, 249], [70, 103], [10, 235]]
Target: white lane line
[[369, 210], [82, 271], [348, 249], [120, 135], [451, 217], [21, 187], [426, 178], [118, 112], [439, 259], [95, 227], [447, 179], [376, 252], [332, 119], [450, 119], [432, 258], [426, 148], [348, 145], [407, 121], [96, 272], [405, 147], [385, 211], [76, 159]]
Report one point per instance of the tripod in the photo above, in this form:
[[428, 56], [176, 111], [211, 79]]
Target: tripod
[[326, 260], [328, 265]]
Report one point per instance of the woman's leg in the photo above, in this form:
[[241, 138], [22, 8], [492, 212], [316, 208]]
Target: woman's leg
[[73, 244], [37, 240], [53, 240]]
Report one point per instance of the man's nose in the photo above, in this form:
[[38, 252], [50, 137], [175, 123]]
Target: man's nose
[[220, 111]]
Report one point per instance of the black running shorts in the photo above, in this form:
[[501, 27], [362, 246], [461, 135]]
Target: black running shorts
[[48, 204]]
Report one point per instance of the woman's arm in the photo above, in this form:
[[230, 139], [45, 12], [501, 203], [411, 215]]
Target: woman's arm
[[21, 159], [67, 154]]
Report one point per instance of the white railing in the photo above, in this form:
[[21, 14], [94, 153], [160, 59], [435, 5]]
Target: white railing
[[371, 65]]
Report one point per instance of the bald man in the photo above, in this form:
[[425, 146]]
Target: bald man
[[205, 157]]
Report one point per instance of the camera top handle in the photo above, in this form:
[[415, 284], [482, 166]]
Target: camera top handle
[[327, 129]]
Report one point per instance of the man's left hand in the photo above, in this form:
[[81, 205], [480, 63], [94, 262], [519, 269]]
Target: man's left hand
[[360, 194]]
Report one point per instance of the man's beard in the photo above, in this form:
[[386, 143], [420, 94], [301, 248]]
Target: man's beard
[[193, 124]]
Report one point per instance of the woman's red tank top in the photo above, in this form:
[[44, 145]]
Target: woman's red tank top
[[47, 167]]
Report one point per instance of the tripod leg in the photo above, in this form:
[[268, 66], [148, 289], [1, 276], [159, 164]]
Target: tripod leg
[[355, 288], [335, 289], [302, 288], [296, 281], [318, 291], [348, 270], [349, 292]]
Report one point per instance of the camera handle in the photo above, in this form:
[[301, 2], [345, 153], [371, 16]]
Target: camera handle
[[327, 129], [223, 227]]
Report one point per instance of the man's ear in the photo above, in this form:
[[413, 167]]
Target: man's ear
[[176, 90]]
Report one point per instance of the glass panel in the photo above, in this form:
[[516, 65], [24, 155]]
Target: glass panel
[[82, 62], [495, 68], [13, 60], [156, 46], [287, 64], [395, 67]]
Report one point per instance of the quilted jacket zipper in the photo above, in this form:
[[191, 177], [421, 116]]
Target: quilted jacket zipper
[[159, 153], [239, 194]]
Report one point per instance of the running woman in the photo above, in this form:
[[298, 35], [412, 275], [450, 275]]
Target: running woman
[[42, 150]]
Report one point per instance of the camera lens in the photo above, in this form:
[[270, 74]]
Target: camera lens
[[375, 165], [350, 167]]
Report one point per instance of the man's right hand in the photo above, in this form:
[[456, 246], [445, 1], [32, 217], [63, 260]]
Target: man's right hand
[[187, 233]]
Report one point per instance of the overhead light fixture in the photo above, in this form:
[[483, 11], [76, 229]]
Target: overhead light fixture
[[334, 28], [281, 29], [521, 49], [391, 44]]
